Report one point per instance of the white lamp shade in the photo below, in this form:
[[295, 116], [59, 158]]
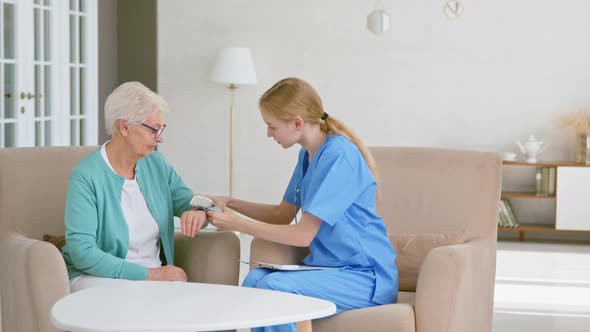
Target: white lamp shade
[[234, 65]]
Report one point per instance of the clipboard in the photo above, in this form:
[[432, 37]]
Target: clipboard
[[289, 267]]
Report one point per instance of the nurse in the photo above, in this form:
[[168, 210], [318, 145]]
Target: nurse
[[334, 184]]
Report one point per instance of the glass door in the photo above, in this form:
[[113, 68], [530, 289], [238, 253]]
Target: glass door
[[82, 68], [8, 104], [44, 69], [49, 72]]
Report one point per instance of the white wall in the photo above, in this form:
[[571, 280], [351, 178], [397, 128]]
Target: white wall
[[507, 68]]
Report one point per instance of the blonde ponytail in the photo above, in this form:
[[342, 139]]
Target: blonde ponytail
[[335, 126]]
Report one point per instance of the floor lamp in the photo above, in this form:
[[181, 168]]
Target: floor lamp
[[233, 67]]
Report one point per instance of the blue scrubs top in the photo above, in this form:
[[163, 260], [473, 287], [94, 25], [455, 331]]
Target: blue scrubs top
[[338, 187]]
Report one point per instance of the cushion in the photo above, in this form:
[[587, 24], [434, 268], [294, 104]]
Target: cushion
[[59, 241], [411, 250]]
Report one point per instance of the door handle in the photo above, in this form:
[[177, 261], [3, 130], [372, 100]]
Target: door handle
[[29, 96]]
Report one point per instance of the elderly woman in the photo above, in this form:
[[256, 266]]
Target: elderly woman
[[123, 197]]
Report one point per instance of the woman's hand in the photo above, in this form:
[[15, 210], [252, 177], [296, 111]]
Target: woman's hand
[[191, 222], [167, 273], [225, 221], [219, 201]]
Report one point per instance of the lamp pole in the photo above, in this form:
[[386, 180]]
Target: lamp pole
[[232, 87], [233, 67]]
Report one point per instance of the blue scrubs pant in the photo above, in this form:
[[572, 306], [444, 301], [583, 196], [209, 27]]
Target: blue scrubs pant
[[348, 289]]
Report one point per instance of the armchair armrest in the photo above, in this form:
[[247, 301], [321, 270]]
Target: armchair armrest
[[272, 252], [33, 278], [455, 288], [209, 257]]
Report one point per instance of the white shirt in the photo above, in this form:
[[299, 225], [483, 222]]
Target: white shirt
[[144, 235]]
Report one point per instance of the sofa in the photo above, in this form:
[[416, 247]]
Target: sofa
[[33, 185], [440, 207]]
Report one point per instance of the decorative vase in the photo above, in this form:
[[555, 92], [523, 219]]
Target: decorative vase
[[582, 148]]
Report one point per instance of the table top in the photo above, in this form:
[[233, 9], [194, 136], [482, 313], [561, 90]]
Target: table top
[[181, 306]]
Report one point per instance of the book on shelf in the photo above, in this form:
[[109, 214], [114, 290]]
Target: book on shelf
[[506, 216], [538, 179], [511, 214], [551, 186], [502, 222], [545, 181]]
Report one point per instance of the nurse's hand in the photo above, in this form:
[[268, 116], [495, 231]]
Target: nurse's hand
[[219, 201], [191, 222], [225, 221]]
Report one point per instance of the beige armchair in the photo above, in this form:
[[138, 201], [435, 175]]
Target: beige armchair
[[440, 208], [33, 184]]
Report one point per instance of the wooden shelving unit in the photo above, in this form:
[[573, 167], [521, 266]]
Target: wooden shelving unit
[[539, 228], [526, 195], [544, 228], [544, 164]]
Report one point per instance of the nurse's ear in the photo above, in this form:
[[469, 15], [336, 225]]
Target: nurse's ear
[[298, 122]]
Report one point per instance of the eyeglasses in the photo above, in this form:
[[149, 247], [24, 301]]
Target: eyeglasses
[[157, 132]]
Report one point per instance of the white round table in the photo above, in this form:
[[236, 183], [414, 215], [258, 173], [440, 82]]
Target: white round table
[[179, 306]]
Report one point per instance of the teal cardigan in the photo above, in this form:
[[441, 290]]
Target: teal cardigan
[[97, 236]]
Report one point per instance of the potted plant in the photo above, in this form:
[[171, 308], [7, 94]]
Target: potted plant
[[579, 122]]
